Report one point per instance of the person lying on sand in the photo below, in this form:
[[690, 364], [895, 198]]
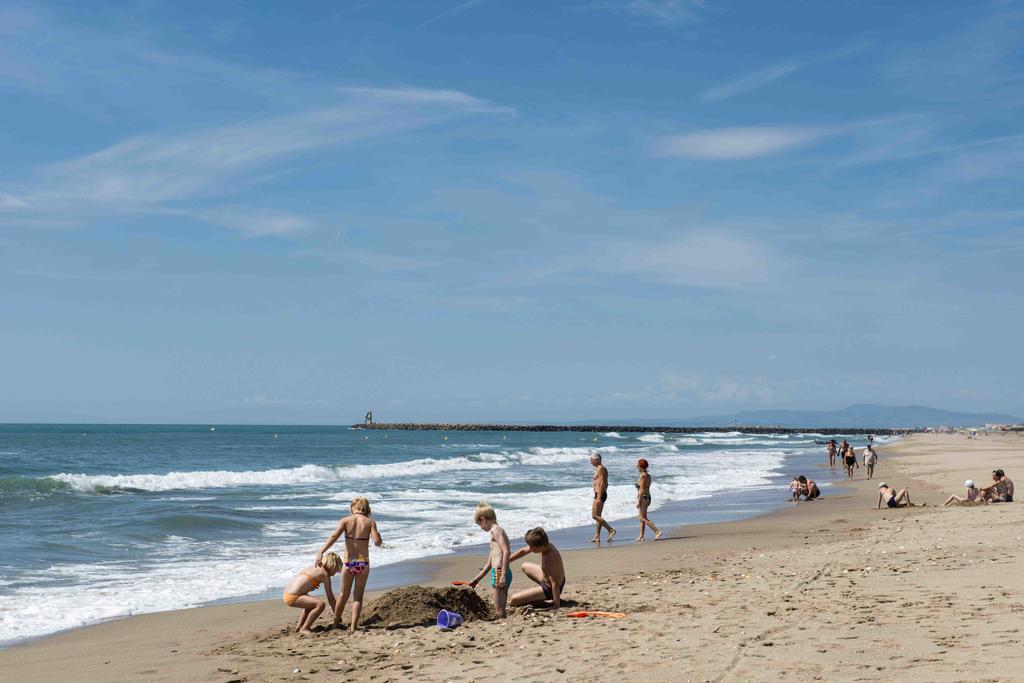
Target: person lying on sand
[[1000, 490], [296, 593], [498, 563], [358, 529], [889, 496], [971, 496], [549, 575]]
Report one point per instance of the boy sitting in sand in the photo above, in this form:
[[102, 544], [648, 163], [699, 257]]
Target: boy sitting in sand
[[296, 593], [498, 562], [889, 496], [970, 496], [549, 575], [358, 529]]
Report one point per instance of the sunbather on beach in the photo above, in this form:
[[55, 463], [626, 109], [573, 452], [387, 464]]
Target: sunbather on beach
[[358, 529], [549, 575], [296, 593], [1000, 490], [971, 496], [643, 500], [892, 499], [870, 458], [498, 563], [600, 496]]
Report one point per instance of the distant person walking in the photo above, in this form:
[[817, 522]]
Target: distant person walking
[[643, 500], [600, 496], [870, 459], [849, 460], [832, 454]]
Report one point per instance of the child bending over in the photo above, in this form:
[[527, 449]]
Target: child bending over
[[549, 575], [296, 593]]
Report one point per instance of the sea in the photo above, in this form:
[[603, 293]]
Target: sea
[[105, 521]]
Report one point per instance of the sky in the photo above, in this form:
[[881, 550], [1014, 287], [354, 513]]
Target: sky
[[473, 210]]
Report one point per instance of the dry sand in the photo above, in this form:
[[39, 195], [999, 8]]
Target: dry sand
[[829, 590]]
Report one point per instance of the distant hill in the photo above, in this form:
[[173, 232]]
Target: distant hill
[[861, 415]]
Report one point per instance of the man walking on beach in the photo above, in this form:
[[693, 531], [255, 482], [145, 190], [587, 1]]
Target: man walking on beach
[[600, 496]]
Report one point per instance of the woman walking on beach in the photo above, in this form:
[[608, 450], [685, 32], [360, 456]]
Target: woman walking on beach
[[643, 500], [832, 454], [849, 460]]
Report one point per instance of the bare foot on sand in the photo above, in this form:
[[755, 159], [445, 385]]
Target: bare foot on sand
[[638, 539], [611, 535], [657, 535], [305, 632], [596, 539]]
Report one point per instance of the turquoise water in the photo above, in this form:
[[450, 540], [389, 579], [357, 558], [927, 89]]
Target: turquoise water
[[132, 519]]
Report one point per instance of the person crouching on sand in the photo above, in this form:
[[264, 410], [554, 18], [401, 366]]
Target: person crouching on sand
[[643, 500], [358, 529], [892, 499], [600, 496], [296, 593], [549, 575], [971, 496], [498, 563], [808, 488]]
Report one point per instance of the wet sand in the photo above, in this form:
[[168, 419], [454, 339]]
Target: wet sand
[[828, 590]]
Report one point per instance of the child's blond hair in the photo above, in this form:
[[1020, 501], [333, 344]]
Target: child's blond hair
[[360, 504], [331, 563], [537, 538], [484, 511]]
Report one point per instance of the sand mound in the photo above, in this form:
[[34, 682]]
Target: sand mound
[[419, 605]]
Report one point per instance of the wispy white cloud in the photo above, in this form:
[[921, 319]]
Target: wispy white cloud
[[744, 142], [664, 12], [765, 75], [255, 223], [708, 259], [752, 81], [213, 161], [457, 9]]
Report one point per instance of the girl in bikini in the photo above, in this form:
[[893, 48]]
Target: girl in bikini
[[296, 593], [643, 500], [358, 529]]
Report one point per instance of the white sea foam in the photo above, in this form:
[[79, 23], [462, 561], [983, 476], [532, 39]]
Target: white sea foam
[[652, 438], [315, 474], [613, 435], [418, 517]]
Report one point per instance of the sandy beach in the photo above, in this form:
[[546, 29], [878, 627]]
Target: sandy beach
[[828, 590]]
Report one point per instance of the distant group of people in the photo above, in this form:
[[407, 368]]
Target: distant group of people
[[847, 457]]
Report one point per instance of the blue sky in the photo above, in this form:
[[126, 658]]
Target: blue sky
[[476, 210]]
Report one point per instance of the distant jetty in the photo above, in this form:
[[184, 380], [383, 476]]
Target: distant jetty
[[745, 429]]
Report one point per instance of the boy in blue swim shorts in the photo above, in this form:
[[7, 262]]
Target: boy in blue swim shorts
[[497, 560]]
